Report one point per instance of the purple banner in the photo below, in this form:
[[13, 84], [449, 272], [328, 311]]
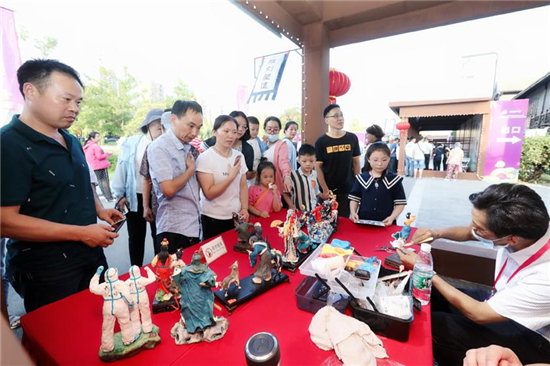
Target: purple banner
[[506, 133]]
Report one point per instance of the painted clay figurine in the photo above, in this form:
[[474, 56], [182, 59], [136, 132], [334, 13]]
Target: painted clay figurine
[[177, 263], [197, 321], [162, 263], [406, 231], [232, 278], [261, 251], [115, 308], [137, 283], [243, 230]]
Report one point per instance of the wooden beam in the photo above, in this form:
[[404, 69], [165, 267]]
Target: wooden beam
[[444, 14], [283, 22]]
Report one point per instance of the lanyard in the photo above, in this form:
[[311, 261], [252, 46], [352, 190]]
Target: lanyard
[[530, 260]]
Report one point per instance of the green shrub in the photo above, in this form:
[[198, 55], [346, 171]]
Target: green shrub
[[535, 158], [113, 160]]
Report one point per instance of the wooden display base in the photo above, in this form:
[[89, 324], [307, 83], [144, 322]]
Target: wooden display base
[[248, 291], [242, 248], [164, 306], [145, 341], [292, 267]]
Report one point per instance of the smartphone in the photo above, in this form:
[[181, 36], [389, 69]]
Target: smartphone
[[237, 160], [118, 225]]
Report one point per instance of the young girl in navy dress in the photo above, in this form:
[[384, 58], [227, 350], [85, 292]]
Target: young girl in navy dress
[[377, 194]]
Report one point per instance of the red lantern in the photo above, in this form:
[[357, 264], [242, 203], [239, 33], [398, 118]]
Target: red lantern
[[339, 84], [403, 126]]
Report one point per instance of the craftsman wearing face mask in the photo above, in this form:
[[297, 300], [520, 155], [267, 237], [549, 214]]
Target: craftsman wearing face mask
[[516, 314], [277, 153]]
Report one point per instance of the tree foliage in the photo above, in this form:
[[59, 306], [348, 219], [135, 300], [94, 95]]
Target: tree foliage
[[535, 158], [108, 104]]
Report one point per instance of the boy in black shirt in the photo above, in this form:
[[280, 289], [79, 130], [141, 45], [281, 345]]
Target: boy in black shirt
[[338, 155]]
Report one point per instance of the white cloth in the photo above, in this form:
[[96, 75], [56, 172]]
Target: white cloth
[[352, 340], [222, 207], [526, 298], [138, 157], [93, 177]]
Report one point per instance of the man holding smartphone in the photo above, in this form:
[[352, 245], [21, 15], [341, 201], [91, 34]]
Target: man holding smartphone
[[49, 209], [172, 168]]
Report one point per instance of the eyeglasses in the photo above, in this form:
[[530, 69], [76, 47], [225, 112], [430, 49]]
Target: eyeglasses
[[337, 115], [272, 130]]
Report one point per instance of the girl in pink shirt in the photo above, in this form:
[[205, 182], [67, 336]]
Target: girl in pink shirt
[[264, 197]]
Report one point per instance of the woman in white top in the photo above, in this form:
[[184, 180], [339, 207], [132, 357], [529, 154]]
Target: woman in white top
[[454, 161], [221, 172]]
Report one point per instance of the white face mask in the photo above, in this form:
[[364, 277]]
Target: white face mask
[[273, 138], [487, 242]]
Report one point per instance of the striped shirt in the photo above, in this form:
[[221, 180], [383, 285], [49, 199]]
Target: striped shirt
[[305, 189], [377, 196]]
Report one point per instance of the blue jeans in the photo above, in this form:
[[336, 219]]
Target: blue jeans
[[409, 165]]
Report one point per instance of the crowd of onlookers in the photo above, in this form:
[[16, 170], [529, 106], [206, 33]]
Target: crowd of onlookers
[[188, 190]]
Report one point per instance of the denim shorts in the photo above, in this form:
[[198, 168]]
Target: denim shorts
[[418, 164]]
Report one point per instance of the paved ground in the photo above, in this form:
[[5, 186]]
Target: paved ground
[[437, 203]]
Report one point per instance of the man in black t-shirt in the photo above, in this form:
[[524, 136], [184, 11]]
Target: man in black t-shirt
[[48, 206], [338, 155]]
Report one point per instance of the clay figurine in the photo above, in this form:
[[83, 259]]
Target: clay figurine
[[197, 322], [177, 263], [117, 306], [137, 283], [261, 250], [406, 231], [401, 237], [243, 230], [232, 278], [167, 294]]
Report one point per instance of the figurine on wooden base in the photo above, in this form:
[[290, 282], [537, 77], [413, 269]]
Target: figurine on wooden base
[[243, 230], [197, 322], [116, 307], [232, 278], [166, 297]]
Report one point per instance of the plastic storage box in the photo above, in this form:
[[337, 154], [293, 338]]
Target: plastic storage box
[[366, 287], [385, 325], [310, 288]]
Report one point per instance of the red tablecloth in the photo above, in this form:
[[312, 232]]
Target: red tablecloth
[[68, 332]]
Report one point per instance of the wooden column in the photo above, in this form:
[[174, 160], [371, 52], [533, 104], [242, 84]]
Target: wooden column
[[315, 81]]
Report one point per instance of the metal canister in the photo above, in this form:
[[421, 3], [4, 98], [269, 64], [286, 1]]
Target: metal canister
[[262, 349]]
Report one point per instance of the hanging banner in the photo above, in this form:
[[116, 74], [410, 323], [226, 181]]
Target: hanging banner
[[269, 77], [12, 101], [506, 133]]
